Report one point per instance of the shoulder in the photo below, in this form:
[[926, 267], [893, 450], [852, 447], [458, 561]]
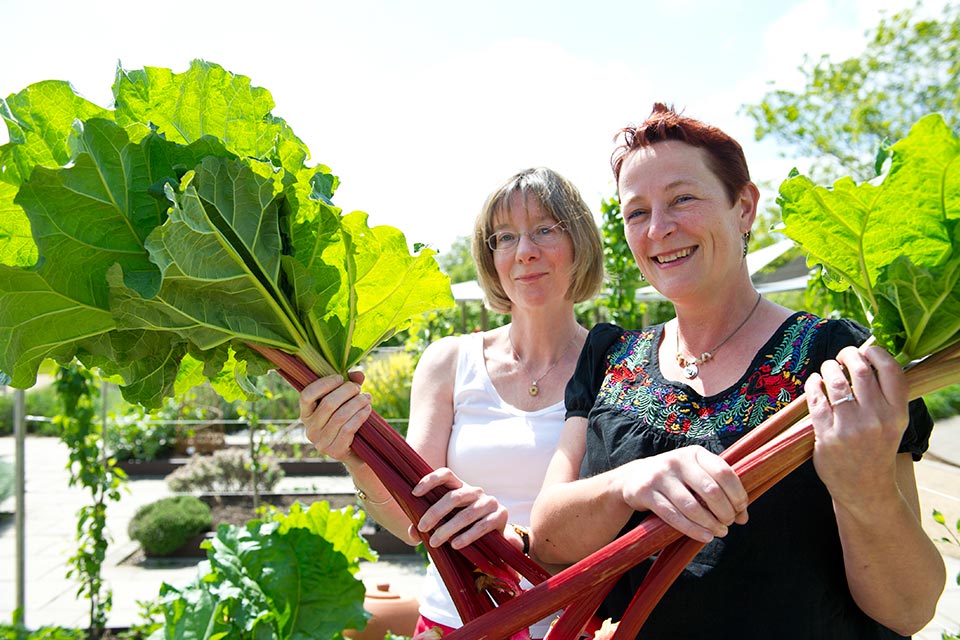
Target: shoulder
[[602, 335], [440, 357]]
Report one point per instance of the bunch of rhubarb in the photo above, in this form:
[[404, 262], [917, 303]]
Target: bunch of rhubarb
[[180, 237]]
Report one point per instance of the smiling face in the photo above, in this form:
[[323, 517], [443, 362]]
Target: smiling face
[[685, 234], [532, 275]]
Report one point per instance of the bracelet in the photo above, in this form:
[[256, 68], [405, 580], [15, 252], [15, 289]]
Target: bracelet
[[365, 498], [524, 534]]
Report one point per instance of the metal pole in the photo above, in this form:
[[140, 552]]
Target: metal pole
[[20, 430]]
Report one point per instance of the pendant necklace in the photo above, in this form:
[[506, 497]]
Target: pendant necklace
[[691, 368], [534, 387]]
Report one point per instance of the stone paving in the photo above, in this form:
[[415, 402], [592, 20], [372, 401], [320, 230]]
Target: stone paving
[[50, 524]]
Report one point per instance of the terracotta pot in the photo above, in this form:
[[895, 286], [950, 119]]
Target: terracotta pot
[[391, 611]]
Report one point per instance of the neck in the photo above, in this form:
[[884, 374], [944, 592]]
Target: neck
[[536, 347], [702, 327]]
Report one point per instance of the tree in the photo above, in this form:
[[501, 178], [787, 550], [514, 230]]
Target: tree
[[457, 261], [850, 108]]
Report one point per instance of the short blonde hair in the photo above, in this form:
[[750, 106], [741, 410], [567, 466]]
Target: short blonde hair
[[559, 198]]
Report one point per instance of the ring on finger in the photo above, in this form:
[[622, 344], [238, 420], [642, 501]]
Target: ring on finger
[[847, 398]]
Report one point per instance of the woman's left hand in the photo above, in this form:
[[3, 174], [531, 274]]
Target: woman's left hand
[[858, 404], [475, 513]]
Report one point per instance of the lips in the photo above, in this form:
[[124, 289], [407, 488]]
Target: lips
[[529, 277]]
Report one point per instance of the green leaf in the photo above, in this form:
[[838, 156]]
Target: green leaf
[[341, 527], [39, 122], [186, 222], [17, 247], [378, 289], [287, 583], [206, 100], [859, 233]]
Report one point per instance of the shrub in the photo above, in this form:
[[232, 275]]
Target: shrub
[[944, 403], [388, 381], [225, 470], [163, 526], [132, 437]]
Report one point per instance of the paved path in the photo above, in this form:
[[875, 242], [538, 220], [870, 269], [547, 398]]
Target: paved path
[[50, 524]]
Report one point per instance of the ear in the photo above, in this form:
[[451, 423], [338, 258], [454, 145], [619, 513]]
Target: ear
[[748, 202]]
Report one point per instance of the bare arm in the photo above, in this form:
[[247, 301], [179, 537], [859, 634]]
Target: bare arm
[[894, 571], [693, 490], [333, 410], [431, 423]]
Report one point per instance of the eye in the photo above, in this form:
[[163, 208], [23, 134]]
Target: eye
[[636, 213], [544, 231], [506, 237], [684, 198]]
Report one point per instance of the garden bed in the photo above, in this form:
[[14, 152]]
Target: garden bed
[[291, 467], [237, 509]]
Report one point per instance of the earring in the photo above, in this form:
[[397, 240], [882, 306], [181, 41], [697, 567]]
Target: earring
[[643, 278], [746, 240]]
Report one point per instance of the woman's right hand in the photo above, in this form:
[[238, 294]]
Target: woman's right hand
[[691, 489], [475, 513], [332, 410]]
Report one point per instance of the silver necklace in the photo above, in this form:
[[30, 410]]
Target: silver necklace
[[534, 387], [691, 368]]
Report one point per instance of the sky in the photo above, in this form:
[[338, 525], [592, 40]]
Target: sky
[[422, 108]]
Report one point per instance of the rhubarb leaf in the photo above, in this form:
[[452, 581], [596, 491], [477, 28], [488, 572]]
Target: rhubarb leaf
[[291, 581], [341, 527], [186, 222], [892, 242], [206, 100]]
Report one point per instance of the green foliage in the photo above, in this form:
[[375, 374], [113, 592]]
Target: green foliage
[[623, 278], [136, 437], [907, 276], [88, 467], [944, 403], [225, 470], [457, 261], [7, 480], [179, 228], [163, 526], [290, 578], [388, 381], [849, 108], [38, 401], [16, 632]]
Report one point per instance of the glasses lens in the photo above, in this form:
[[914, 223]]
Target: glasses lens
[[542, 236]]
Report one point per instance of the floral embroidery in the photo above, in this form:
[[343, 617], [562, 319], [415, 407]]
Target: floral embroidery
[[775, 379]]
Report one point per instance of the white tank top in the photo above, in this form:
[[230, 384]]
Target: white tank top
[[498, 447]]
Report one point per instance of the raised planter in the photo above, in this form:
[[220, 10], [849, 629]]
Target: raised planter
[[237, 507], [291, 467]]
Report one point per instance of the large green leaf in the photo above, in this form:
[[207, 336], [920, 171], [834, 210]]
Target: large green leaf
[[272, 581], [187, 222], [17, 247], [339, 526], [207, 100], [893, 242], [39, 121]]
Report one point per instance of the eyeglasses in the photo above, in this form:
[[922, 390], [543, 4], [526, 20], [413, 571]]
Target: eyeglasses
[[543, 236]]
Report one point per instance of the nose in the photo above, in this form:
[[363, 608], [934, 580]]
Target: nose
[[526, 248], [661, 223]]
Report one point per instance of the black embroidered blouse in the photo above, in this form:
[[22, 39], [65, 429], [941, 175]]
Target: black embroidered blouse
[[780, 575]]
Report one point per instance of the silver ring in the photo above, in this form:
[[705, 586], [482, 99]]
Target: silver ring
[[847, 398]]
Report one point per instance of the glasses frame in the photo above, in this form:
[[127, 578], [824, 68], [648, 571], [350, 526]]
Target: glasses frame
[[491, 240]]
